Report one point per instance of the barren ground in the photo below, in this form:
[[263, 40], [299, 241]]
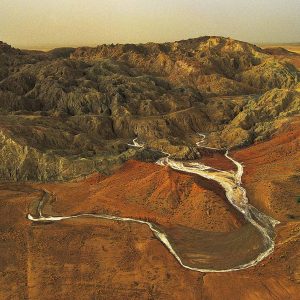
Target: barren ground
[[98, 259]]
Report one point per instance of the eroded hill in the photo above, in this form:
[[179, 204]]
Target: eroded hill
[[68, 112]]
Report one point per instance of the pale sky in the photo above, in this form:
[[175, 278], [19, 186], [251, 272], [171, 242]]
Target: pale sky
[[54, 23]]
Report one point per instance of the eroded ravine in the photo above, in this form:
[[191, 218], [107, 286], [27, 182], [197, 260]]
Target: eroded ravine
[[258, 223]]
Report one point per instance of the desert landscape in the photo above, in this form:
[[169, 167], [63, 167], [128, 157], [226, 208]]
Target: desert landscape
[[149, 150], [150, 171]]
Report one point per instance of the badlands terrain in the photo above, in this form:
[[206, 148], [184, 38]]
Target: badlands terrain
[[68, 118]]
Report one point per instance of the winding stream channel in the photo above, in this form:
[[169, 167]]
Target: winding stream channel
[[197, 257]]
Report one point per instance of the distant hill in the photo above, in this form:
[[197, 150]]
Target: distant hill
[[69, 111]]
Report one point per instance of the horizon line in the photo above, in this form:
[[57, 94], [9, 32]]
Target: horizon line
[[51, 46]]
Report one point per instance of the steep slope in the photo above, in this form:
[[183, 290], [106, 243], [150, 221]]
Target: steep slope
[[260, 118]]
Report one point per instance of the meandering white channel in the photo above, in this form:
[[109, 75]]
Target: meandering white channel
[[235, 193]]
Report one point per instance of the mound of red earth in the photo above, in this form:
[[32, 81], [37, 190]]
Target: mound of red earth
[[148, 191], [89, 258]]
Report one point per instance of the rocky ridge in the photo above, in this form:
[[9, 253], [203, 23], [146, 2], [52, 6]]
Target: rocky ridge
[[67, 112]]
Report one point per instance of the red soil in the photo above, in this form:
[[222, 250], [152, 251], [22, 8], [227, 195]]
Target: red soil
[[92, 259], [272, 173], [151, 192]]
